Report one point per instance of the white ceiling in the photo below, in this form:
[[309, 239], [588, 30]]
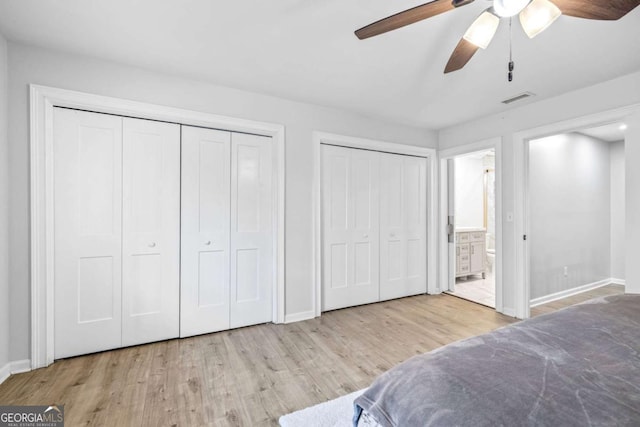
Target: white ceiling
[[305, 50], [612, 132]]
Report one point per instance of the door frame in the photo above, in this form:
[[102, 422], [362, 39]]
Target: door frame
[[444, 156], [43, 99], [320, 138], [521, 190]]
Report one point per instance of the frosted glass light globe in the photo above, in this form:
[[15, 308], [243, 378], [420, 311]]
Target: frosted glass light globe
[[508, 8]]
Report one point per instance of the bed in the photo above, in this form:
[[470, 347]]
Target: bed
[[579, 366]]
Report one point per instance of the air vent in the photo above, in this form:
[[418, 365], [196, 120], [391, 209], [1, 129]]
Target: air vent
[[518, 97]]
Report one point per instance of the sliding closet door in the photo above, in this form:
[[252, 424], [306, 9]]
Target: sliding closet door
[[206, 207], [151, 231], [251, 230], [87, 156], [350, 227], [403, 226]]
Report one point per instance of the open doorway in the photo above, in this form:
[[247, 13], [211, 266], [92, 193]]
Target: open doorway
[[472, 199], [576, 213]]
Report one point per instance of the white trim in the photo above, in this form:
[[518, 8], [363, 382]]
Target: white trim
[[521, 199], [373, 145], [43, 100], [298, 317], [615, 281], [432, 222], [570, 292], [16, 367], [521, 220], [443, 218], [320, 138], [444, 155], [461, 150], [509, 312], [5, 372]]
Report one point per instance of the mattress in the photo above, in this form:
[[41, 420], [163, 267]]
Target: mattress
[[577, 366]]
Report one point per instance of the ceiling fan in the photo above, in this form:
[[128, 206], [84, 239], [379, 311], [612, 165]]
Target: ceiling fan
[[535, 17]]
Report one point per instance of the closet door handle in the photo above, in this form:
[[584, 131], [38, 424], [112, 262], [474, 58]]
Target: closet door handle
[[365, 236], [152, 244], [208, 242]]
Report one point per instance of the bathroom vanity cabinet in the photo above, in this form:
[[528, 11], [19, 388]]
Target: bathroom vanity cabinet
[[470, 251]]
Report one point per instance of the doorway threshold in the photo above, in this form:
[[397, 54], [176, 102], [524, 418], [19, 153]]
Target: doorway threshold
[[479, 291]]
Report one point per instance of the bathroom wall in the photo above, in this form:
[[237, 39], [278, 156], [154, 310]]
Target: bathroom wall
[[469, 193], [617, 210], [469, 174], [570, 213]]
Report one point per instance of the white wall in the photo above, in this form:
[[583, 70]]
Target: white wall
[[621, 92], [4, 209], [33, 65], [570, 210], [617, 210], [632, 202], [469, 191]]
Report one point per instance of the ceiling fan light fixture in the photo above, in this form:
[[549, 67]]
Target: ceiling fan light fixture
[[537, 17], [481, 32], [508, 8]]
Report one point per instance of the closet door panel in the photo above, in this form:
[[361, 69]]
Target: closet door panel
[[402, 226], [87, 151], [392, 249], [364, 227], [205, 231], [336, 176], [350, 238], [416, 224], [151, 231], [251, 273]]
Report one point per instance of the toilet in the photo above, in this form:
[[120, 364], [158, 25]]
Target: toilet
[[491, 259]]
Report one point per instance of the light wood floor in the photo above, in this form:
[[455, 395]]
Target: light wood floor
[[251, 376]]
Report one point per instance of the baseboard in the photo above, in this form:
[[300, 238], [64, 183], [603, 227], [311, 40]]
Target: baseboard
[[622, 282], [15, 367], [20, 366], [298, 317], [569, 292]]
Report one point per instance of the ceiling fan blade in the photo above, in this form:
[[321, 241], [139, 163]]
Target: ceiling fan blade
[[605, 10], [460, 56], [409, 16]]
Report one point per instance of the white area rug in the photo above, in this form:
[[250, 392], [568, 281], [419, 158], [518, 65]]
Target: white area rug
[[334, 413]]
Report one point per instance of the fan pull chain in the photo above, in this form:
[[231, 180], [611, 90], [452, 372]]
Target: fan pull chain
[[511, 64]]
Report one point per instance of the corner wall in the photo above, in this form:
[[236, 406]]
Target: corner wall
[[45, 67], [617, 210], [632, 201], [570, 213], [4, 212]]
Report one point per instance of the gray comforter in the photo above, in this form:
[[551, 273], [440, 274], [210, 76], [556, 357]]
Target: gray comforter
[[576, 367]]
